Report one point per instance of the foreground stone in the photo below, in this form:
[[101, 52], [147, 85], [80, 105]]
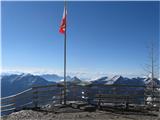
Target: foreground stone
[[77, 115]]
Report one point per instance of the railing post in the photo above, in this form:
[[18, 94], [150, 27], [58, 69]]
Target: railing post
[[74, 92], [145, 102], [87, 94], [99, 101], [35, 97], [61, 94], [127, 103], [14, 102]]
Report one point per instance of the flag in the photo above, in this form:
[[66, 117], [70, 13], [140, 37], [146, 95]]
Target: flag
[[62, 28]]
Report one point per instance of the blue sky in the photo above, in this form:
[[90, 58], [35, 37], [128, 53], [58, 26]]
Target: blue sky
[[102, 37]]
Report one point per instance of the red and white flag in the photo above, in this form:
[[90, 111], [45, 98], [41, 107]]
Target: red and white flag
[[62, 28]]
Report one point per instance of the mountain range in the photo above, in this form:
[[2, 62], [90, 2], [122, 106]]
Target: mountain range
[[12, 84], [15, 83]]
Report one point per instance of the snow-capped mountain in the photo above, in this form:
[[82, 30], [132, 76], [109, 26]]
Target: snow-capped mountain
[[121, 80], [148, 81], [77, 81], [114, 79], [130, 81], [51, 77], [102, 80], [12, 84], [107, 80]]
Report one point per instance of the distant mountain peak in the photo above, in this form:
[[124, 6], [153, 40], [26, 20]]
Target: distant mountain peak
[[75, 80], [116, 77], [12, 84], [103, 78]]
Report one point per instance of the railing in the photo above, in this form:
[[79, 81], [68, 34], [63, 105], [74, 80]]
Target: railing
[[39, 96], [43, 95], [9, 103], [127, 94], [34, 97]]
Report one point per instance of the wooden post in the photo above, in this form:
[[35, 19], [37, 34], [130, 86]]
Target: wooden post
[[35, 97], [14, 102], [99, 102], [61, 94]]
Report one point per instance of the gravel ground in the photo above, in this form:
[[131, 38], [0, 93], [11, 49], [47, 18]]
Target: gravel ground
[[77, 115]]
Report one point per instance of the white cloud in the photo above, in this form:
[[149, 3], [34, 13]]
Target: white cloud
[[81, 73]]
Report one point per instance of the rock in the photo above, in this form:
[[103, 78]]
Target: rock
[[89, 108]]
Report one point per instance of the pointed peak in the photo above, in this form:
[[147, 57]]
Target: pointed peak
[[117, 77], [75, 78], [103, 78]]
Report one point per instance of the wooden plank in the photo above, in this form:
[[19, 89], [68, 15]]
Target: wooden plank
[[23, 96], [44, 96], [8, 97], [155, 96], [111, 85], [112, 99], [46, 100], [156, 101], [45, 86], [8, 110], [8, 105], [118, 85], [25, 104], [108, 101], [116, 96], [123, 85], [7, 101], [12, 96], [43, 91]]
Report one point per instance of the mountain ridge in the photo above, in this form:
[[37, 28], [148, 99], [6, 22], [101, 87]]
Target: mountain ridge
[[14, 83]]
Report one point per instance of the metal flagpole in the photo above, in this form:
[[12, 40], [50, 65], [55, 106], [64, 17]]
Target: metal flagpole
[[65, 44]]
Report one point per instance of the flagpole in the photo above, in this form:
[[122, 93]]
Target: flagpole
[[65, 45]]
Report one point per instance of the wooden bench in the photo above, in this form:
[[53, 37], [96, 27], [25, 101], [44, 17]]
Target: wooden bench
[[115, 99]]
